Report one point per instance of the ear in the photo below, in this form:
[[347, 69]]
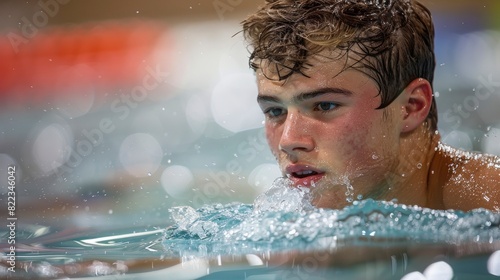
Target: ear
[[416, 103]]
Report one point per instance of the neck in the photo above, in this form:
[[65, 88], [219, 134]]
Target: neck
[[411, 177]]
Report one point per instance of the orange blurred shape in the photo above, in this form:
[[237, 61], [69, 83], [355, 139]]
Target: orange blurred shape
[[56, 60]]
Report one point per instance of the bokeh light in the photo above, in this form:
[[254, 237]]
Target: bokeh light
[[494, 263], [177, 180], [458, 139], [141, 154], [74, 105], [234, 105], [415, 275], [197, 114], [263, 176], [439, 271], [490, 141], [52, 147], [478, 53]]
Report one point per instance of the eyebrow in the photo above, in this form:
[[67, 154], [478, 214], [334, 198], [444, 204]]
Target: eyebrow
[[306, 95]]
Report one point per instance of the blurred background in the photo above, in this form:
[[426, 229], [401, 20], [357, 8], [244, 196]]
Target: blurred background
[[114, 111]]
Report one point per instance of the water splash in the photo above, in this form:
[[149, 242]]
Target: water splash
[[283, 196], [284, 219]]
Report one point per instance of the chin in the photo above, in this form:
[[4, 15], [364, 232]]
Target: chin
[[333, 197], [330, 204]]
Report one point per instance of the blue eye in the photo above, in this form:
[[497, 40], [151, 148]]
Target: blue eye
[[325, 106], [274, 112]]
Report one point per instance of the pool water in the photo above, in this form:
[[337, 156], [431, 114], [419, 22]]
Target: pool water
[[280, 236]]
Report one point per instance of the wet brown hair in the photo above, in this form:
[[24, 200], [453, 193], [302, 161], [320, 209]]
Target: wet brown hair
[[391, 41]]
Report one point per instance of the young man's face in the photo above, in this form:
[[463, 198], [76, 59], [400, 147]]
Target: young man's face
[[327, 134]]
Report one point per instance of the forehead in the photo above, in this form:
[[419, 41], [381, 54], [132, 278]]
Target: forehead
[[326, 70], [330, 61]]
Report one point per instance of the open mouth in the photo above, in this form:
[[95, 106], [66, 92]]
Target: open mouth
[[304, 174]]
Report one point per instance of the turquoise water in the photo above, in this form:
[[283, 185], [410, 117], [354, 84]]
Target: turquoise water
[[280, 236]]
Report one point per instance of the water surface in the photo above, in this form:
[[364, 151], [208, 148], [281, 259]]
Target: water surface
[[280, 236]]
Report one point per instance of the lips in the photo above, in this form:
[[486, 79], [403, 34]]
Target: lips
[[304, 175]]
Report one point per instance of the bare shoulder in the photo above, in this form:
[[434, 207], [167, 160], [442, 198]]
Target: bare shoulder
[[472, 181]]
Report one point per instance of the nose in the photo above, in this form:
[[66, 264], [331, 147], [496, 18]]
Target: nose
[[296, 136]]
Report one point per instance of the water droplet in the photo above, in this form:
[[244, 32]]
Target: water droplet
[[436, 94], [419, 166], [149, 174], [110, 211]]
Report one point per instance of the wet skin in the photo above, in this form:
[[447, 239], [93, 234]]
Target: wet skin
[[328, 123], [327, 134]]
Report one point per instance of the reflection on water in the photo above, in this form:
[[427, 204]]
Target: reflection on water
[[280, 236], [48, 253]]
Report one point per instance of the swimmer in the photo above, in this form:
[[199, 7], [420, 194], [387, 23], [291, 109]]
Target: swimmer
[[346, 89]]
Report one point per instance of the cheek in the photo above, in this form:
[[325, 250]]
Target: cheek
[[356, 145], [273, 135], [339, 144], [373, 140], [355, 140]]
